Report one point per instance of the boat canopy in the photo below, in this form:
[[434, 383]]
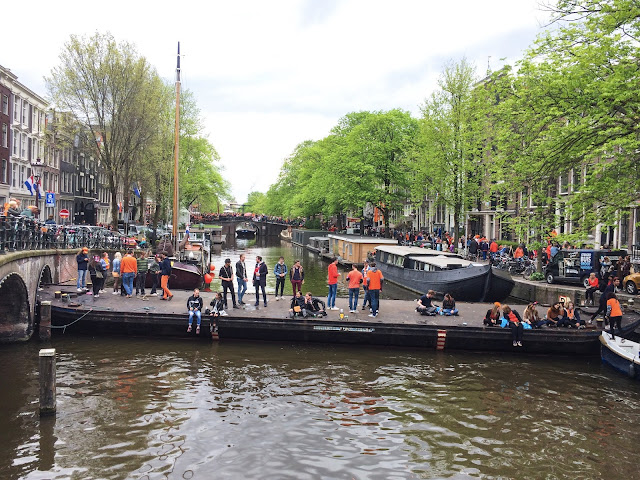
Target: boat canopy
[[414, 251], [441, 262]]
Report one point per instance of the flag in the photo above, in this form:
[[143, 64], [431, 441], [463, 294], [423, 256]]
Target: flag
[[119, 207], [29, 184], [136, 190]]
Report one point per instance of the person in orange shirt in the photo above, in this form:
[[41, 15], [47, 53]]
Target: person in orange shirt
[[519, 253], [614, 312], [593, 286], [332, 280], [355, 279], [493, 247], [374, 283], [128, 270]]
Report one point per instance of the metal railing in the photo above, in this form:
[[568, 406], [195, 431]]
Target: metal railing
[[24, 233]]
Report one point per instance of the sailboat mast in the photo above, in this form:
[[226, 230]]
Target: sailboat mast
[[176, 205]]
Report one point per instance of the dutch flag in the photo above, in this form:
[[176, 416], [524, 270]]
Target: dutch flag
[[38, 188], [30, 185]]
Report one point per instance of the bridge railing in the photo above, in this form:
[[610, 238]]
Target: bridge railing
[[24, 233]]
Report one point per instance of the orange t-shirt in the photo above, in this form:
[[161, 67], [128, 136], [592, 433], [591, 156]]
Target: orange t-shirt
[[128, 264], [616, 311], [493, 248], [593, 282], [519, 253], [374, 279], [333, 274], [354, 278]]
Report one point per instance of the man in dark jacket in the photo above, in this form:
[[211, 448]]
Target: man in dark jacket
[[260, 280], [226, 276], [83, 262], [165, 273], [194, 306]]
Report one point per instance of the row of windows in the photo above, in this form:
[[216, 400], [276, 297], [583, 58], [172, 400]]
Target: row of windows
[[22, 109], [26, 147]]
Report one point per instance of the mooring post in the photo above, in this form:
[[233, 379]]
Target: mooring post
[[47, 381], [45, 321]]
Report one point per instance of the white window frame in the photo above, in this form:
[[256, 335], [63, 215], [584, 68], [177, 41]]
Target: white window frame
[[5, 104], [5, 135], [25, 113], [16, 109]]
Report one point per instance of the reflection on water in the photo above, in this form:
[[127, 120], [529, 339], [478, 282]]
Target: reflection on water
[[270, 249], [174, 409]]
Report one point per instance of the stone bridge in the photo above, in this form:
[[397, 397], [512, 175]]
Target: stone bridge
[[21, 274], [265, 228]]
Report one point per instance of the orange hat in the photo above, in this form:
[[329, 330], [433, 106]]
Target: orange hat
[[496, 304], [85, 249]]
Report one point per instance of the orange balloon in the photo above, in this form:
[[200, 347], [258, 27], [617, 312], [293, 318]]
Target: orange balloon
[[212, 267], [208, 278]]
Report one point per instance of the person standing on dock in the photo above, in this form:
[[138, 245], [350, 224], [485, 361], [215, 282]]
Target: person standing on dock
[[355, 279], [116, 273], [241, 277], [165, 273], [226, 275], [82, 260], [129, 268], [141, 278], [367, 298], [280, 270], [296, 275], [374, 282], [153, 268], [260, 280], [194, 305], [332, 280]]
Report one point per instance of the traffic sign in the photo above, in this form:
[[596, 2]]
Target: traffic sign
[[64, 213], [50, 199]]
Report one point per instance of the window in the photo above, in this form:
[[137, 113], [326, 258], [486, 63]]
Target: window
[[34, 120], [25, 112], [16, 142], [16, 108], [14, 174], [577, 179], [22, 175], [5, 135], [5, 105], [4, 172], [564, 183], [23, 145]]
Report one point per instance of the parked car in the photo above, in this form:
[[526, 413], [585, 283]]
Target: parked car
[[631, 283]]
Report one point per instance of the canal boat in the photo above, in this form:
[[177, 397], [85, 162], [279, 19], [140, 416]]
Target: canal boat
[[354, 249], [246, 230], [422, 269], [318, 245], [621, 354]]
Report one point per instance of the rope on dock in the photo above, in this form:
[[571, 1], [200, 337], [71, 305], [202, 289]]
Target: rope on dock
[[64, 327]]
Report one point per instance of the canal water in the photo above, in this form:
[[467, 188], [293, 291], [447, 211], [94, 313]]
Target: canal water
[[147, 409], [315, 268]]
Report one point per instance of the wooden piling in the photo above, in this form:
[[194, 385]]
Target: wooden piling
[[47, 381], [45, 321]]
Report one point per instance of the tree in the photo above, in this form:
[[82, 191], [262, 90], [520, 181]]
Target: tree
[[115, 94]]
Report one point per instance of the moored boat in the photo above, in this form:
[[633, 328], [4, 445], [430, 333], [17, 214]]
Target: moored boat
[[246, 230], [318, 245], [621, 354], [420, 269]]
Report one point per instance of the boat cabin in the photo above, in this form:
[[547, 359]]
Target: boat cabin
[[318, 244], [416, 258], [574, 266], [355, 249]]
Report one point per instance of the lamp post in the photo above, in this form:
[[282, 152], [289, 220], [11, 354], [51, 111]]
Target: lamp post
[[37, 167]]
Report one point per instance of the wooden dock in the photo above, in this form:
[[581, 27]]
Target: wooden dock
[[398, 324]]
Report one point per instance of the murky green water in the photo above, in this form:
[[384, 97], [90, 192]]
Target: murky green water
[[138, 408]]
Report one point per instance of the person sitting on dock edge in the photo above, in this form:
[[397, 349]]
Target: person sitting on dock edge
[[514, 323], [492, 318], [532, 317], [297, 307], [448, 306], [426, 306], [314, 306], [194, 305]]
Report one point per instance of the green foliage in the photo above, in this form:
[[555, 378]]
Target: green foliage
[[537, 276]]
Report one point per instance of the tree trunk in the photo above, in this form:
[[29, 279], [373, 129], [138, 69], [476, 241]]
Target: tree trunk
[[114, 202]]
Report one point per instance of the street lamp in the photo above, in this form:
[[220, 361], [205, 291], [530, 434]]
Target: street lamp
[[37, 167]]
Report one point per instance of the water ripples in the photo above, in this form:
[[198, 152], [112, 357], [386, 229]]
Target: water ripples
[[133, 409]]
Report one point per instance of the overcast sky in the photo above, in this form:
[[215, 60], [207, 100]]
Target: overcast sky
[[269, 75]]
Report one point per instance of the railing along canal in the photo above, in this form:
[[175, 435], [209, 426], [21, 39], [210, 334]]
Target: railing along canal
[[24, 233]]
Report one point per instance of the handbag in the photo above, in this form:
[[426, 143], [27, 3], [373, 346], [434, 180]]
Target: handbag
[[297, 308], [99, 275]]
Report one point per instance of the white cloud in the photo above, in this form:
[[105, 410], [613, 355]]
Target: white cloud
[[268, 75]]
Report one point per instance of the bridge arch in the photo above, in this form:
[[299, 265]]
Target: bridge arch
[[46, 278], [15, 311]]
